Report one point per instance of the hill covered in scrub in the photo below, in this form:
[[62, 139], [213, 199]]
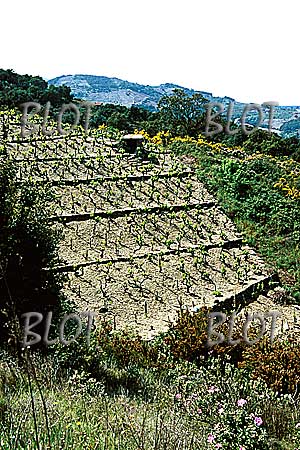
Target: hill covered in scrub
[[101, 89], [117, 91]]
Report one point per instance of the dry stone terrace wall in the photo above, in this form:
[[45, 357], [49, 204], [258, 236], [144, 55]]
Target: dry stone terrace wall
[[147, 292], [124, 193], [137, 234], [141, 238]]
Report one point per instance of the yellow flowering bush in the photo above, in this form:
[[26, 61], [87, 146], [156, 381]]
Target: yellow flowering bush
[[164, 138], [288, 187], [290, 184]]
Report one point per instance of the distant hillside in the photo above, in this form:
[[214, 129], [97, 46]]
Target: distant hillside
[[113, 90], [100, 89]]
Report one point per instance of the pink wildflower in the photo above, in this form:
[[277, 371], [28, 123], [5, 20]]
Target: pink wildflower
[[212, 389], [210, 438], [258, 421]]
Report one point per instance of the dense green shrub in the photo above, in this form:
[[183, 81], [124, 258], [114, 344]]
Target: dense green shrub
[[269, 219], [27, 246], [127, 350]]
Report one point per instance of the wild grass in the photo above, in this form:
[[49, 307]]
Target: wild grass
[[45, 405]]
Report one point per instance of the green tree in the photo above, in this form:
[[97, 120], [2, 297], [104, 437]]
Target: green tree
[[181, 114], [16, 89]]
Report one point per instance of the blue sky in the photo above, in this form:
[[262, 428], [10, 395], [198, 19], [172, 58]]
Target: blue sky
[[246, 50]]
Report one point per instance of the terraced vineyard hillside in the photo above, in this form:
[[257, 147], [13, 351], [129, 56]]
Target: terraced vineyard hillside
[[141, 236]]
